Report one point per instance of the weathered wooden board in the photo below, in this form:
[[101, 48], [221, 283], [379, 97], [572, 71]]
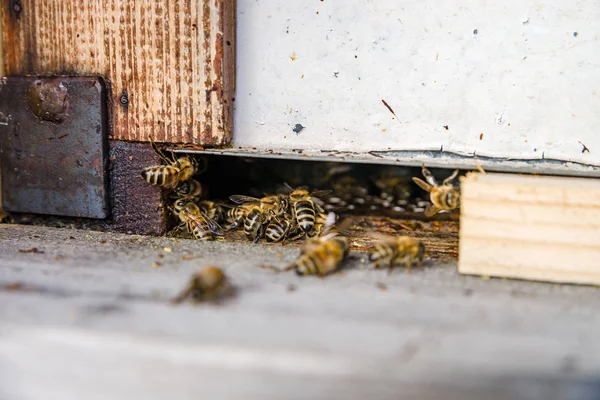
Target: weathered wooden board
[[530, 227], [170, 64], [86, 316]]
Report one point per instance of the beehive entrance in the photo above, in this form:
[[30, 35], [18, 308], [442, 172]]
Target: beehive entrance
[[374, 197]]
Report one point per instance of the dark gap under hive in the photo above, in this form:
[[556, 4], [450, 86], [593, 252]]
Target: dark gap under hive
[[375, 197]]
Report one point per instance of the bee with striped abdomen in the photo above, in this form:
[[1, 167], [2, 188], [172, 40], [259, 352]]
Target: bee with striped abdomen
[[392, 250], [278, 204], [198, 224], [236, 215], [280, 227], [176, 171], [304, 207], [259, 212], [322, 255], [207, 285], [443, 197], [254, 223]]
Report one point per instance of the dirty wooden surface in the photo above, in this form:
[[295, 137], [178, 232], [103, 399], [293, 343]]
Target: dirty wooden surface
[[85, 315], [171, 64]]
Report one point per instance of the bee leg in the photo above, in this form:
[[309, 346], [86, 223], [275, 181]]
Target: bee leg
[[450, 178], [428, 176], [158, 151], [391, 265], [408, 263], [431, 210]]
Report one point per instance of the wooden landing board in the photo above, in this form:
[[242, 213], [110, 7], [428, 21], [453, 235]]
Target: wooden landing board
[[170, 63], [530, 227]]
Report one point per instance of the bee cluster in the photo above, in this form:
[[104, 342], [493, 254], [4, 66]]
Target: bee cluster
[[276, 218], [299, 214]]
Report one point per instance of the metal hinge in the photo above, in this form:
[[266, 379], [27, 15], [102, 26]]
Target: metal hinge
[[53, 144]]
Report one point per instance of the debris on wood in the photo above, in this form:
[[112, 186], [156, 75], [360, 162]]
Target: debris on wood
[[32, 250]]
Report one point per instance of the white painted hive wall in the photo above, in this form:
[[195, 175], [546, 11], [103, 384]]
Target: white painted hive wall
[[515, 79]]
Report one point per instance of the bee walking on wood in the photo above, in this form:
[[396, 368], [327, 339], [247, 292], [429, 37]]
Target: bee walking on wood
[[208, 285], [443, 197], [176, 171], [198, 224], [392, 250], [322, 255], [304, 207]]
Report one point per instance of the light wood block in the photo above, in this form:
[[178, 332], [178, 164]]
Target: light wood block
[[530, 227], [174, 60]]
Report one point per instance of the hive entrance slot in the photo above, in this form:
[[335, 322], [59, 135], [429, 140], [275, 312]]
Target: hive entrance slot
[[376, 197]]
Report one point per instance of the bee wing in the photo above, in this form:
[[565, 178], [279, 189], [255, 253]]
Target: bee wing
[[431, 210], [422, 184], [214, 227], [239, 199], [320, 193], [330, 220]]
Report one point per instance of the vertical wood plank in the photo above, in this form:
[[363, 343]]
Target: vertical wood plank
[[173, 60]]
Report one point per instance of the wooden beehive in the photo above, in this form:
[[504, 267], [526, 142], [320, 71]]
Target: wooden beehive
[[170, 64]]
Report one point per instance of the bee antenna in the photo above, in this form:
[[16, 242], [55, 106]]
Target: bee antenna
[[288, 186]]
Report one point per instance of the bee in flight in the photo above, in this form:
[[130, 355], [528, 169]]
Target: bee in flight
[[443, 197], [207, 285], [198, 224], [175, 171], [322, 255], [391, 250], [304, 207]]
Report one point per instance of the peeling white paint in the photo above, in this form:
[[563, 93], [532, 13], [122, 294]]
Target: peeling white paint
[[514, 71]]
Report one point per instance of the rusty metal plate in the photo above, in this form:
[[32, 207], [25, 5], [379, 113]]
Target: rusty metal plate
[[53, 144]]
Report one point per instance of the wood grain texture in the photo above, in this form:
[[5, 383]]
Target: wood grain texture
[[88, 317], [530, 227], [170, 64]]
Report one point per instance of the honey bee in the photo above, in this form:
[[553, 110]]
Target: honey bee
[[176, 171], [397, 249], [279, 228], [322, 255], [236, 215], [304, 207], [198, 224], [207, 285], [212, 210], [191, 189], [443, 197], [259, 212], [278, 204], [254, 223]]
